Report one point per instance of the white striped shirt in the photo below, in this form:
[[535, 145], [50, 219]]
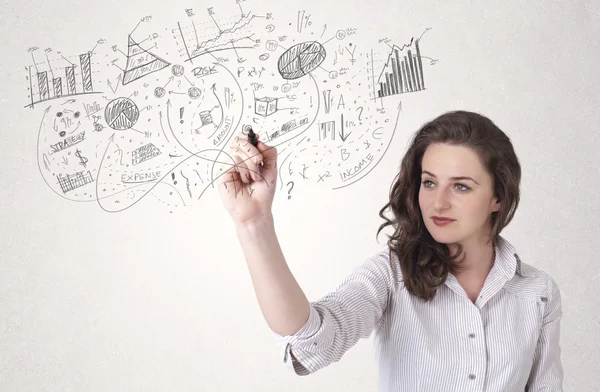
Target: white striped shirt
[[508, 340]]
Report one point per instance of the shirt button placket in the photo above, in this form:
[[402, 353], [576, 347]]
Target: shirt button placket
[[478, 366]]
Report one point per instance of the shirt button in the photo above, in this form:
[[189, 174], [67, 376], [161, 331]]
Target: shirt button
[[472, 376], [471, 335]]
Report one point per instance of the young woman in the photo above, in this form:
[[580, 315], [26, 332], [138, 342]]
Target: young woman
[[452, 305]]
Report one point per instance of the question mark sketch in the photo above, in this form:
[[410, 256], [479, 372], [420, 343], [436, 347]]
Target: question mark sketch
[[360, 114], [270, 28], [290, 190], [179, 83]]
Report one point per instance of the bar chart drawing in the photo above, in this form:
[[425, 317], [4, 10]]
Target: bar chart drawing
[[73, 181], [402, 72], [50, 87]]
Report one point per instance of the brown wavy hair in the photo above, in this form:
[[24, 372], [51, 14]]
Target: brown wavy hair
[[424, 262]]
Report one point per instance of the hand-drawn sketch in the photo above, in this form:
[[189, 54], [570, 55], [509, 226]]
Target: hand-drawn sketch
[[406, 73], [140, 62], [48, 86], [153, 115], [301, 59]]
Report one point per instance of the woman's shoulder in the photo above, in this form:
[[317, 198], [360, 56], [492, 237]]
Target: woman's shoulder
[[385, 262], [531, 281]]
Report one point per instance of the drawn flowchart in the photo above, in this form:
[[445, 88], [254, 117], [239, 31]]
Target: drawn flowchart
[[153, 115]]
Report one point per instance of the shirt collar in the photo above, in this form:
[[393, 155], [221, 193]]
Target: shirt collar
[[507, 260]]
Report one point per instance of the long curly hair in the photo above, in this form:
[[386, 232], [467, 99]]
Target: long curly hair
[[425, 263]]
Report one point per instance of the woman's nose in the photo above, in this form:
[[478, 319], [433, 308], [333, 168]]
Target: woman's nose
[[442, 200]]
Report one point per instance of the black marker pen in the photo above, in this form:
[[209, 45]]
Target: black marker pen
[[253, 140]]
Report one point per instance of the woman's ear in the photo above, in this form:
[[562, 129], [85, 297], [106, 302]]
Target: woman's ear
[[496, 204]]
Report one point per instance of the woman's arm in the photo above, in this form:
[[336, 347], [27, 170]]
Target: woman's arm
[[282, 301]]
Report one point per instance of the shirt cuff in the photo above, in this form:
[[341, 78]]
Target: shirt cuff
[[304, 341]]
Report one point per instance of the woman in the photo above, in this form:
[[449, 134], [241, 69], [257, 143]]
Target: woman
[[452, 305]]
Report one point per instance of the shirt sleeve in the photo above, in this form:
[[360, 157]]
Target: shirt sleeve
[[547, 371], [340, 318]]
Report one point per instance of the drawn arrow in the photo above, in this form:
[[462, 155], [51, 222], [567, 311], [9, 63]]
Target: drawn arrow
[[160, 115], [110, 84], [342, 135], [170, 80], [214, 90], [189, 81], [366, 173]]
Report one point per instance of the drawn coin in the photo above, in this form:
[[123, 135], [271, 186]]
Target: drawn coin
[[271, 45], [159, 92], [194, 92], [177, 70]]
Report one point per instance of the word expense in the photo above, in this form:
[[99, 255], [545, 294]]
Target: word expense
[[140, 177]]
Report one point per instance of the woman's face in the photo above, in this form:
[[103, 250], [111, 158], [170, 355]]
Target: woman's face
[[455, 184]]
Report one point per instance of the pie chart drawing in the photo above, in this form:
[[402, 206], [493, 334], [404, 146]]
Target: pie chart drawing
[[121, 114], [301, 59]]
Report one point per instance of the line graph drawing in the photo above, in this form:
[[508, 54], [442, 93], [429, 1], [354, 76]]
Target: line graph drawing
[[402, 71], [232, 38], [163, 127]]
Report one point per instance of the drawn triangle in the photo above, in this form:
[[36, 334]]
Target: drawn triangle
[[141, 62]]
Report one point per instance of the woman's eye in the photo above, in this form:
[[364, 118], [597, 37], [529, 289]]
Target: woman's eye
[[462, 187]]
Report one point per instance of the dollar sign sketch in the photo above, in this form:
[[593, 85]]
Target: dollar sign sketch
[[83, 160]]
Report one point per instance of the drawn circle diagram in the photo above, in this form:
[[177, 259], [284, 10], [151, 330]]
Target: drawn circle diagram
[[159, 92], [271, 45], [301, 59], [177, 70], [121, 114], [341, 34], [194, 92]]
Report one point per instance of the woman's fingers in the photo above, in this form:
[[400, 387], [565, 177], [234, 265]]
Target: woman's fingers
[[242, 168], [251, 156], [252, 152]]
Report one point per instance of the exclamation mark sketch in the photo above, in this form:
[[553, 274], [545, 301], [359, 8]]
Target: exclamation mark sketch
[[181, 115], [173, 178], [228, 97], [327, 100]]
